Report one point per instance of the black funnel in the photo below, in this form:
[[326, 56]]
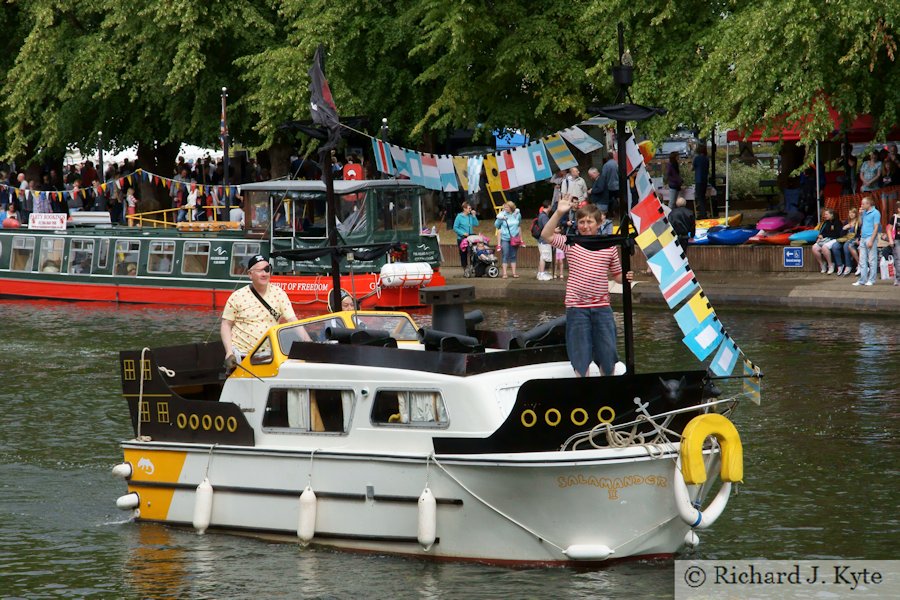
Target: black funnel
[[447, 304]]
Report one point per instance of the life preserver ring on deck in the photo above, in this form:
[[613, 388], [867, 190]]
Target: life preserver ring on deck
[[690, 468]]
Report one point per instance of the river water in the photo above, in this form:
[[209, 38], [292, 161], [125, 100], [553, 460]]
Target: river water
[[821, 466]]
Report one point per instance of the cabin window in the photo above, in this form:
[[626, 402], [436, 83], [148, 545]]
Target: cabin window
[[81, 257], [240, 253], [256, 213], [400, 328], [309, 410], [263, 354], [52, 254], [161, 257], [127, 254], [195, 259], [103, 254], [22, 254], [409, 407], [307, 213], [352, 216], [397, 209], [306, 332]]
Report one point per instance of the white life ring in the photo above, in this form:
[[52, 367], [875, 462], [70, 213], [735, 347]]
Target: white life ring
[[691, 514]]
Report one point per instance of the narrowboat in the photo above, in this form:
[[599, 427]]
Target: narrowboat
[[386, 253]]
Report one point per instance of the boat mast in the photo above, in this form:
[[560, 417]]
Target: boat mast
[[622, 76], [334, 299]]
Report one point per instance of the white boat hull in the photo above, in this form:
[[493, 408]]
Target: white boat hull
[[503, 509]]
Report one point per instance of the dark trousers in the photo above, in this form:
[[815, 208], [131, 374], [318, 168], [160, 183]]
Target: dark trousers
[[700, 198], [463, 255]]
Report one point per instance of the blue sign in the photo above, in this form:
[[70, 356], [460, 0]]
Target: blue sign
[[793, 256]]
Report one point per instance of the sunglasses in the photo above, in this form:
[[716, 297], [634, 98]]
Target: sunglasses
[[265, 269]]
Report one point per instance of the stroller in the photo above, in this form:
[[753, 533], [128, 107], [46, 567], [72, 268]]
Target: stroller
[[482, 262]]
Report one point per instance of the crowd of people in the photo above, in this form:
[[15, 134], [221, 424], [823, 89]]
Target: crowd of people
[[81, 187]]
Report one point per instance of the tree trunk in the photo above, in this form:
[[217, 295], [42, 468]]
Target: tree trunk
[[279, 160], [156, 159]]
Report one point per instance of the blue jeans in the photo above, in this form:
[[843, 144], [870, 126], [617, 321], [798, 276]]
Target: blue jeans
[[868, 262], [510, 252], [591, 335], [837, 254]]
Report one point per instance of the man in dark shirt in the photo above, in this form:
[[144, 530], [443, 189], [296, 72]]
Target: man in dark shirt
[[682, 220], [701, 179]]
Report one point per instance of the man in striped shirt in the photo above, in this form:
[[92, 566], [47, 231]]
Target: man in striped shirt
[[590, 326]]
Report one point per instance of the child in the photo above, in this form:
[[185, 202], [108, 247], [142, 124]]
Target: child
[[590, 326], [560, 259], [482, 252], [130, 206]]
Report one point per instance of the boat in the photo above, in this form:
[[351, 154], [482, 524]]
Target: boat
[[728, 236], [386, 254], [775, 238], [732, 221], [448, 442], [775, 223]]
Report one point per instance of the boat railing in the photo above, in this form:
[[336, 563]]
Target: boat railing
[[660, 437], [164, 217]]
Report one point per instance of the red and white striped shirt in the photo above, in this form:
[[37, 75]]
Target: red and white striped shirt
[[589, 273]]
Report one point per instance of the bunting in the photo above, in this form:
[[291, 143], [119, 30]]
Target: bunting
[[382, 154], [449, 183], [578, 138], [401, 167], [726, 358], [560, 153], [693, 313], [473, 173], [751, 382], [431, 175], [461, 166], [704, 338]]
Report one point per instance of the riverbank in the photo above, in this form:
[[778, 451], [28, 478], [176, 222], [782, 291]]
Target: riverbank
[[774, 291]]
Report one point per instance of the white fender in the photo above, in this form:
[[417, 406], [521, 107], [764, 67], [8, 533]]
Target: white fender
[[306, 523], [129, 501], [427, 530], [122, 470], [691, 515], [203, 499], [691, 539], [588, 552]]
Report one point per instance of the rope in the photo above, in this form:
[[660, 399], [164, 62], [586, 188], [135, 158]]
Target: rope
[[209, 461], [309, 474], [494, 508]]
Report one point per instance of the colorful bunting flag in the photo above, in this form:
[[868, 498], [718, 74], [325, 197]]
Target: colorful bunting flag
[[522, 162], [539, 163], [665, 263], [473, 173], [646, 212], [659, 235], [633, 157], [431, 175], [704, 338], [752, 382], [492, 171], [506, 171], [642, 184], [449, 182], [414, 164], [461, 166], [578, 138], [398, 154], [560, 153], [679, 287], [726, 357], [693, 313], [383, 161]]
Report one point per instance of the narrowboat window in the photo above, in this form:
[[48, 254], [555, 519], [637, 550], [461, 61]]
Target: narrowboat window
[[307, 209], [306, 332], [240, 252], [51, 254], [400, 328], [309, 410], [263, 353], [161, 257], [397, 209], [81, 257], [127, 254], [352, 216], [195, 259], [409, 407], [256, 213], [103, 254], [22, 254]]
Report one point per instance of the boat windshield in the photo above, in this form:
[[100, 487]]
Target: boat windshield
[[399, 326]]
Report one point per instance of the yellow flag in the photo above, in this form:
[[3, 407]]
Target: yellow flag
[[493, 173], [461, 166]]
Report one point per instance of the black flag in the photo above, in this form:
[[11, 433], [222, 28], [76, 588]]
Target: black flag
[[321, 104]]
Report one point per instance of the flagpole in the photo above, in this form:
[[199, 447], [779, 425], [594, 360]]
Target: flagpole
[[225, 150], [625, 207]]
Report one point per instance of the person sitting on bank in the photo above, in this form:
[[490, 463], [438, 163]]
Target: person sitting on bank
[[683, 222], [830, 230], [252, 310]]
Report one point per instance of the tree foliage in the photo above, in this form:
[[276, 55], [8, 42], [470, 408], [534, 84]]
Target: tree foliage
[[150, 71]]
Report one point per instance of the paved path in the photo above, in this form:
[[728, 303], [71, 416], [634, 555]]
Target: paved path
[[786, 291]]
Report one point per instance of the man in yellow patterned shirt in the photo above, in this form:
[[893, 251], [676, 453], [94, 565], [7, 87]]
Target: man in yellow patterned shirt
[[246, 317]]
